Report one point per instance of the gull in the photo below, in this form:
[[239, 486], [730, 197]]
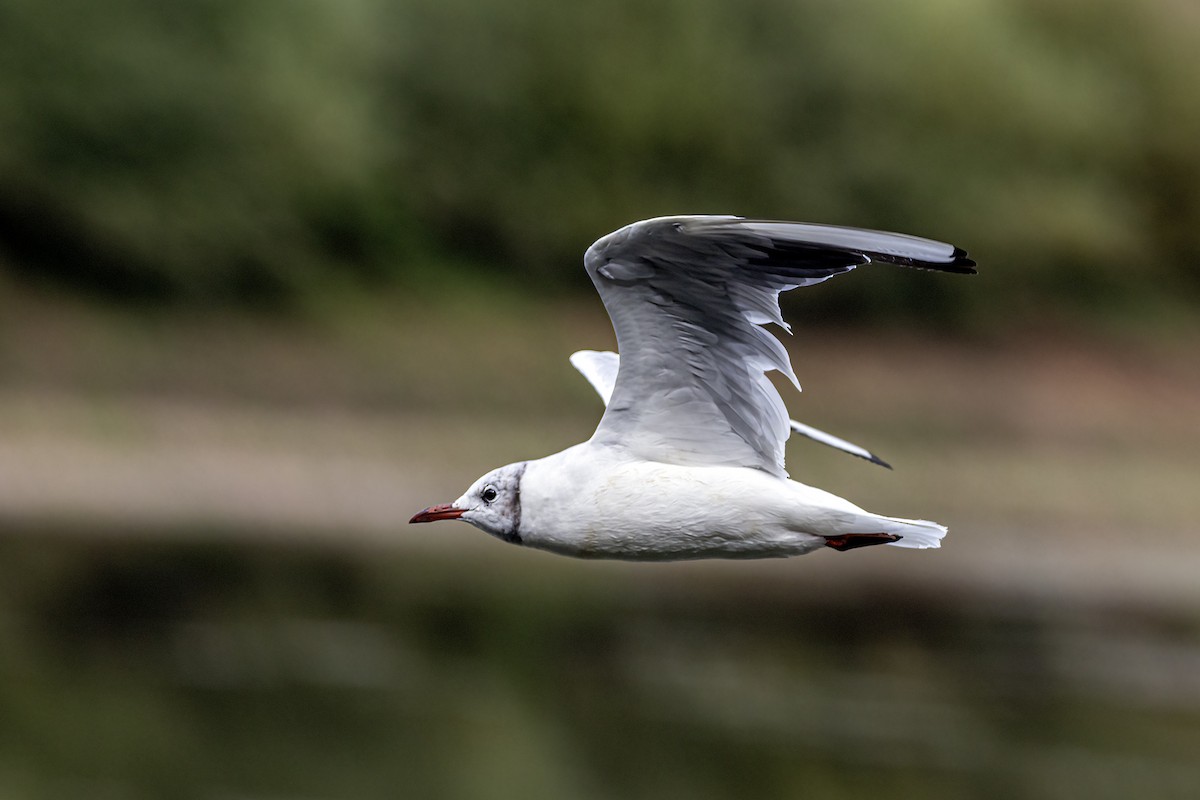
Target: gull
[[688, 459]]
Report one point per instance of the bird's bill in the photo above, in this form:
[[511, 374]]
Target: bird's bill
[[435, 513]]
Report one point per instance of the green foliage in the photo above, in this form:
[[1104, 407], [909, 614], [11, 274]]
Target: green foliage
[[221, 151]]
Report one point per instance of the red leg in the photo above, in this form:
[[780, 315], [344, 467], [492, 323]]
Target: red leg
[[850, 541]]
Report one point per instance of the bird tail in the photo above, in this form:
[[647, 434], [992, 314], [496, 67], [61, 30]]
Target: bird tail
[[852, 526], [856, 530], [914, 533]]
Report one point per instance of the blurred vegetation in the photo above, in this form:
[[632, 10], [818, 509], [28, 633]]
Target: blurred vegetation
[[169, 669], [262, 153], [356, 159]]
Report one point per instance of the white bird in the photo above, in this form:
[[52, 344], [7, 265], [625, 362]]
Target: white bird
[[687, 461]]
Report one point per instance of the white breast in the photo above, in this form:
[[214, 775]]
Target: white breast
[[595, 501]]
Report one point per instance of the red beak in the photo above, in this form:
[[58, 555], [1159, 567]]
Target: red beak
[[435, 513]]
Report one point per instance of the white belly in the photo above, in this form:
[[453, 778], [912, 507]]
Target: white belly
[[578, 505]]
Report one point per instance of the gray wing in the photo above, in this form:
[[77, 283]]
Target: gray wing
[[688, 297], [600, 368]]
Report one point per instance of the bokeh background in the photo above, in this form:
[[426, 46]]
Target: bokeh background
[[275, 275]]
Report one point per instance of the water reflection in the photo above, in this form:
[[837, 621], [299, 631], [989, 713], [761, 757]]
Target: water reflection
[[147, 670]]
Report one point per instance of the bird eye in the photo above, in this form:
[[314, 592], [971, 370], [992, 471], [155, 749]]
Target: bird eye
[[489, 494]]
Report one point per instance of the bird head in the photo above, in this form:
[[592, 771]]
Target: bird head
[[492, 504]]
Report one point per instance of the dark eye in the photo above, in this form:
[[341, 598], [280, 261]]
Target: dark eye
[[489, 494]]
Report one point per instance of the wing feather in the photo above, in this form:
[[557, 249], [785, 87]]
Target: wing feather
[[688, 298], [600, 369]]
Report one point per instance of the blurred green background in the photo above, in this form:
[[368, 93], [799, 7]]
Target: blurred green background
[[275, 275]]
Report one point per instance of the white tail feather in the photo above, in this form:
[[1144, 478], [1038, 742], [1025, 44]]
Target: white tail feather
[[916, 533]]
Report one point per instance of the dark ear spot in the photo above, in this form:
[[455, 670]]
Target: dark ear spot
[[512, 497]]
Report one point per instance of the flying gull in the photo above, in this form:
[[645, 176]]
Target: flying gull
[[687, 461]]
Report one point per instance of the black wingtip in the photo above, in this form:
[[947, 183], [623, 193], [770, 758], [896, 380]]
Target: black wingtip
[[874, 459], [961, 263], [958, 263]]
